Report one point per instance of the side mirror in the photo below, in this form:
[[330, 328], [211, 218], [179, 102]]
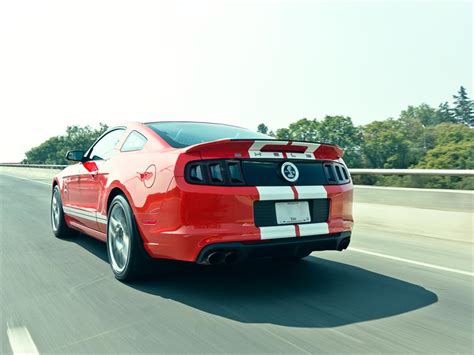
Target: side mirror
[[75, 155]]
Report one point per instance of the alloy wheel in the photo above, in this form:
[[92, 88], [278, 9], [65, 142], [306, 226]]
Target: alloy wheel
[[119, 234]]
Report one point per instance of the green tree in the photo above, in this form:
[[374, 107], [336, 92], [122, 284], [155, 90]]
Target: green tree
[[262, 128], [53, 150], [332, 129], [301, 130], [389, 143], [426, 114], [449, 156], [341, 131], [452, 133], [304, 130], [283, 133], [453, 148], [445, 114], [47, 152], [463, 107]]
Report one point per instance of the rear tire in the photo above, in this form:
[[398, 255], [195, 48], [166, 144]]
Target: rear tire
[[58, 224], [127, 257]]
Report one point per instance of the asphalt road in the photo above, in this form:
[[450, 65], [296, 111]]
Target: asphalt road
[[391, 292]]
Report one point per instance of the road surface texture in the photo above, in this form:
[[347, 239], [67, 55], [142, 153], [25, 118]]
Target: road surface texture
[[404, 285]]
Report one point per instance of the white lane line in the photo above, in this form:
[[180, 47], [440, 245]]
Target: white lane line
[[286, 341], [457, 271], [39, 182], [21, 341]]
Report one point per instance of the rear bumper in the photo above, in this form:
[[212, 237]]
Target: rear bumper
[[286, 247], [193, 217]]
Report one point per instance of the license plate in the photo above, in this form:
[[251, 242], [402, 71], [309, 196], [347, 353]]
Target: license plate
[[292, 212]]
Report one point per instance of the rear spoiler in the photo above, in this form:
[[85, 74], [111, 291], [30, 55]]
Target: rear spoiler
[[268, 149]]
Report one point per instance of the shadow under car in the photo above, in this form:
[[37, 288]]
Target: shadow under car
[[311, 293]]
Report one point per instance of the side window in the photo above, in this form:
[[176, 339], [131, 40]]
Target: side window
[[134, 141], [104, 148]]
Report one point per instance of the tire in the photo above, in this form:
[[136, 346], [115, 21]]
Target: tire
[[128, 259], [58, 224]]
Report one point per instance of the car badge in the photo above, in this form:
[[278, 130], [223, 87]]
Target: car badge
[[290, 172]]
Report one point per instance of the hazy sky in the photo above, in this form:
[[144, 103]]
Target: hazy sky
[[242, 62]]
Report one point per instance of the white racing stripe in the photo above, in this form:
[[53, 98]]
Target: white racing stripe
[[311, 192], [79, 215], [275, 193], [80, 211], [101, 218], [286, 193], [276, 232], [408, 261], [311, 147], [305, 156], [265, 155], [313, 229], [86, 214], [20, 340], [254, 150]]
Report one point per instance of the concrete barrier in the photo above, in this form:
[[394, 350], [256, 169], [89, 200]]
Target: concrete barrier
[[444, 214]]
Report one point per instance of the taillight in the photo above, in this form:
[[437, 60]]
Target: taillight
[[235, 172], [330, 173], [336, 173], [229, 172], [214, 172], [195, 174]]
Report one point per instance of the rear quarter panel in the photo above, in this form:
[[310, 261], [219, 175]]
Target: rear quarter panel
[[143, 192]]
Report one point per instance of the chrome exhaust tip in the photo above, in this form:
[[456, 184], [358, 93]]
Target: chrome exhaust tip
[[230, 257], [215, 258]]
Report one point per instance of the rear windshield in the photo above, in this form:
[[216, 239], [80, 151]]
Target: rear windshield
[[183, 134]]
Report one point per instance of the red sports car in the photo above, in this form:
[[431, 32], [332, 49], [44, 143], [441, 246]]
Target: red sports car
[[205, 193]]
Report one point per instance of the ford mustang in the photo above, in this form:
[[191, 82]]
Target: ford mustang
[[202, 192]]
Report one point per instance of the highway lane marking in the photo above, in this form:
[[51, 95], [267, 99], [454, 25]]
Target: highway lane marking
[[408, 261], [286, 341], [346, 336], [21, 341], [19, 177]]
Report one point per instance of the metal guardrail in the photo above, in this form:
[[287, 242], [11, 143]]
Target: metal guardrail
[[426, 172], [41, 166]]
